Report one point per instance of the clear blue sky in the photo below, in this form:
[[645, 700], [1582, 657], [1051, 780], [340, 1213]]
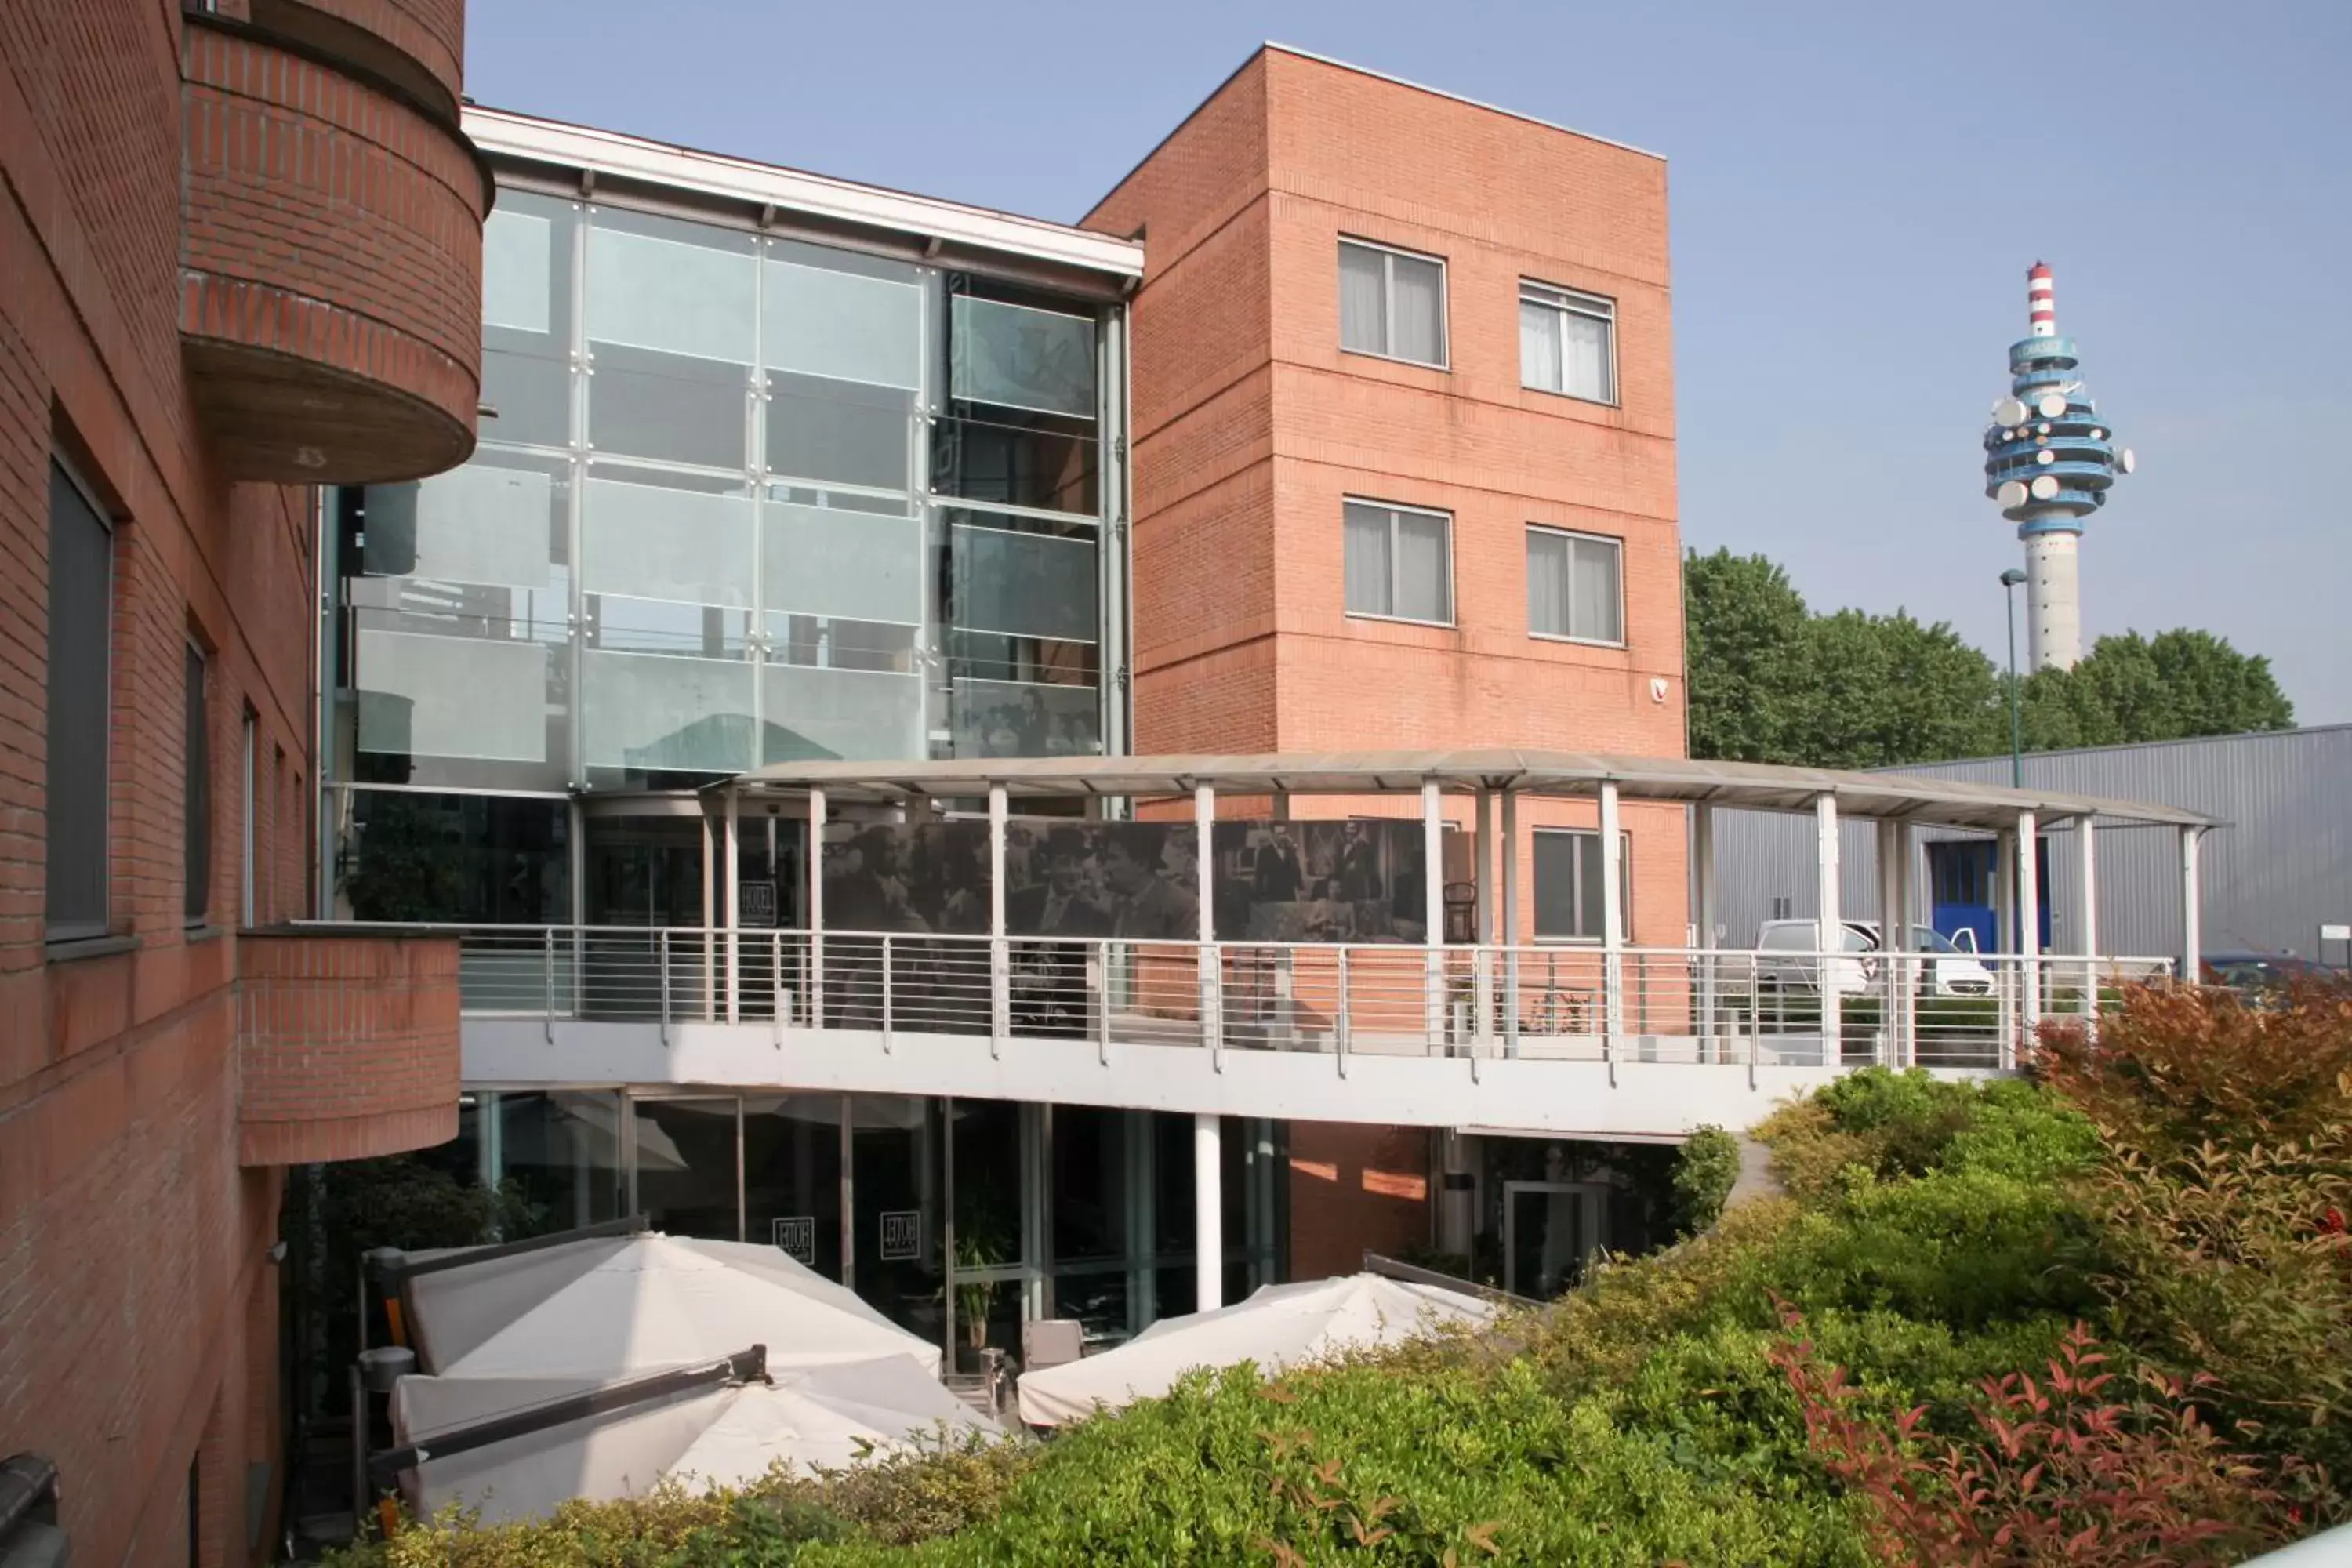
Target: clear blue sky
[[1857, 191]]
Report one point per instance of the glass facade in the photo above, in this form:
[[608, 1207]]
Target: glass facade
[[739, 499], [1060, 1211]]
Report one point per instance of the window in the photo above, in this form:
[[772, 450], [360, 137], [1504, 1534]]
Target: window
[[1567, 884], [1574, 587], [1400, 562], [1568, 343], [1392, 303], [196, 795], [81, 600], [248, 891]]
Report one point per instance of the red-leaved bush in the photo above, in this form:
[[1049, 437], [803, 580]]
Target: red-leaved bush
[[2063, 1470]]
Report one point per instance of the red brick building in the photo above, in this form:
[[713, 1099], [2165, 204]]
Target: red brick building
[[1373, 309], [239, 258]]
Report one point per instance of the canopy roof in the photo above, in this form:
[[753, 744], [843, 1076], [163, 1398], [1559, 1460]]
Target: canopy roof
[[1756, 786]]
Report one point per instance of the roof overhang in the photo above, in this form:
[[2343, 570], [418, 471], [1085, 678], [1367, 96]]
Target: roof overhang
[[609, 155], [1754, 786]]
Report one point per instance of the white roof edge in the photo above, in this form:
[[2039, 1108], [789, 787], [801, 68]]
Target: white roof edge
[[1459, 97], [505, 134]]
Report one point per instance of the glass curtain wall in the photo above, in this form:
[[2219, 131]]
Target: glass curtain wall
[[738, 499]]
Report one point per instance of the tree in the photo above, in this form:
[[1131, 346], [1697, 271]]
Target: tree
[[1744, 625], [1770, 681]]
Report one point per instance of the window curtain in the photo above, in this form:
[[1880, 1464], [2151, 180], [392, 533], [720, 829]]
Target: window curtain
[[1548, 584], [1363, 294], [1424, 583], [1597, 608], [1368, 561], [1539, 347], [1418, 303], [1586, 357]]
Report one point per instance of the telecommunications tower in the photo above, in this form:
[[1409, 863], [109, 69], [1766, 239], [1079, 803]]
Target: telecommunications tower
[[2048, 459]]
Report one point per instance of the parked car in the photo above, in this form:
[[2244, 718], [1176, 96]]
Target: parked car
[[1787, 960], [2263, 978]]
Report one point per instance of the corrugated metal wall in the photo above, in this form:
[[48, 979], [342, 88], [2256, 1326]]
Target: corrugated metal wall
[[2278, 867]]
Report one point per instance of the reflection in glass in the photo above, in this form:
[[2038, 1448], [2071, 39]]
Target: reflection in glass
[[826, 321], [854, 564], [1020, 357], [661, 713], [563, 1150], [641, 413], [839, 431], [658, 540], [1032, 465], [791, 1177], [686, 1166], [854, 714], [1024, 583], [406, 857], [1022, 718], [532, 396]]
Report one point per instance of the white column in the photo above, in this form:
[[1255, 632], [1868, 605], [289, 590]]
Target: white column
[[1510, 935], [2086, 850], [1482, 965], [2029, 925], [815, 870], [734, 905], [1205, 958], [709, 918], [2192, 935], [1896, 980], [2004, 931], [1613, 923], [1907, 1035], [1703, 869], [1000, 950], [1829, 936], [1208, 1213], [1433, 911]]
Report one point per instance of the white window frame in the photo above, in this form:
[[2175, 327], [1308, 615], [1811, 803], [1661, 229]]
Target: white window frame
[[1625, 885], [1444, 360], [1393, 508], [1575, 302], [1572, 534]]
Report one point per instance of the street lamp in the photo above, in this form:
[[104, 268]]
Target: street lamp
[[2008, 582]]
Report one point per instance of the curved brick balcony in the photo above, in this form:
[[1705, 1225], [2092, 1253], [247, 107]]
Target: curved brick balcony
[[332, 258], [347, 1045], [418, 46]]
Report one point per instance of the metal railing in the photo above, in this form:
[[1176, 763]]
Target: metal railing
[[1547, 1002]]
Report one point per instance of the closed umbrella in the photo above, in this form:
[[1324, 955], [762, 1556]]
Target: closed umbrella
[[1278, 1326], [819, 1417]]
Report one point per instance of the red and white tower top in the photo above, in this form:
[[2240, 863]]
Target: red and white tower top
[[2041, 301]]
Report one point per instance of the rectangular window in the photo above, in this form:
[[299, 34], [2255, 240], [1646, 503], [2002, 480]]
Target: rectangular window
[[80, 678], [196, 795], [1575, 586], [1567, 884], [1392, 303], [250, 782], [1568, 343], [1400, 562]]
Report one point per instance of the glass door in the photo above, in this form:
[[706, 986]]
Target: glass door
[[894, 1196], [644, 873], [1551, 1229], [688, 1173]]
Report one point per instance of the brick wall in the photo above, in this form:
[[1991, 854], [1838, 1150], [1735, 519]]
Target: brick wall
[[137, 1305], [347, 1046], [1252, 427]]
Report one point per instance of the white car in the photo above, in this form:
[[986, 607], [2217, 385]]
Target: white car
[[1785, 960]]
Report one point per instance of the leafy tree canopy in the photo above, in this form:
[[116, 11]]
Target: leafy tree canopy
[[1773, 681]]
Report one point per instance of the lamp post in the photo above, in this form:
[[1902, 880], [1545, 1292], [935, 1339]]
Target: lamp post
[[2009, 583]]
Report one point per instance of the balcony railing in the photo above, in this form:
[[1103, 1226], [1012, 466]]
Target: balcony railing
[[1694, 1005]]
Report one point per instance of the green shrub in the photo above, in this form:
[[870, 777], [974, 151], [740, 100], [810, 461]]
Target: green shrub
[[1707, 1167]]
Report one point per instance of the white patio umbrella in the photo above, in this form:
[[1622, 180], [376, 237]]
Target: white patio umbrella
[[1277, 1326], [820, 1417], [615, 1306]]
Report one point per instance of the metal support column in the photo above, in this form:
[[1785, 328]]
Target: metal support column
[[1510, 933], [734, 906], [1204, 857], [1830, 923], [2192, 934], [1207, 1214], [710, 918], [1482, 962], [2029, 926], [2087, 852], [1906, 1038], [1703, 866], [2004, 932], [1893, 939], [1000, 950], [1612, 929], [815, 868], [1433, 913]]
